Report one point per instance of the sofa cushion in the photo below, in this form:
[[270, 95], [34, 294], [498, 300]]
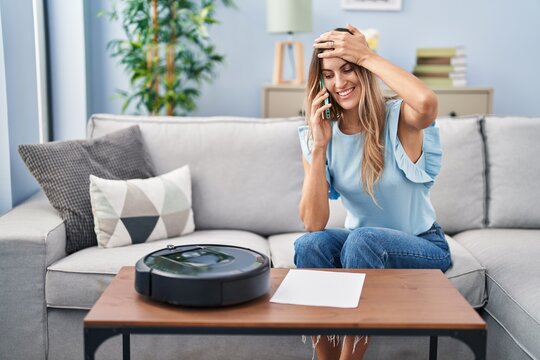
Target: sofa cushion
[[513, 275], [63, 170], [232, 161], [459, 191], [514, 194], [138, 210], [76, 281], [467, 275]]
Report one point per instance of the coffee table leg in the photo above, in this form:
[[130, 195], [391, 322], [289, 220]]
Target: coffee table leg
[[476, 340], [126, 346], [433, 342], [93, 338]]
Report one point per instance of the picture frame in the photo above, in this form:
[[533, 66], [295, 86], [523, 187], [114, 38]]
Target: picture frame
[[375, 5]]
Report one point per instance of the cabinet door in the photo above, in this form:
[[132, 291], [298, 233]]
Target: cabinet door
[[457, 104], [283, 103]]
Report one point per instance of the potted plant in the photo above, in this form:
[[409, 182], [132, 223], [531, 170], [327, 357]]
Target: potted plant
[[167, 52]]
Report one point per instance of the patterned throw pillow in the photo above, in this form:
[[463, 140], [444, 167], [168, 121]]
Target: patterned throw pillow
[[139, 210], [62, 168]]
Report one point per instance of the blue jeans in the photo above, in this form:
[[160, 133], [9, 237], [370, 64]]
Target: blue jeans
[[373, 248]]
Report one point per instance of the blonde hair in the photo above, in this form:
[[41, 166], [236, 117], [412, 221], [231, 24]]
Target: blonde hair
[[371, 110]]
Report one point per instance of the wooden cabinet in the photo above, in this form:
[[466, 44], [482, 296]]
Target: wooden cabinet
[[465, 101], [288, 100], [283, 100]]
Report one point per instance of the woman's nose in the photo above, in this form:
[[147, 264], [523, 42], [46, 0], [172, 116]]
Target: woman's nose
[[339, 81]]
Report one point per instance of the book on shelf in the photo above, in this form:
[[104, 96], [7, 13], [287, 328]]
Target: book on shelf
[[440, 69], [448, 60], [441, 52], [443, 82], [445, 75]]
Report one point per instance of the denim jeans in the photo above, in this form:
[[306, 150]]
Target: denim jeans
[[373, 248]]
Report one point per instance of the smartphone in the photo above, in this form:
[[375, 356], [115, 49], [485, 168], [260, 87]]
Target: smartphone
[[327, 100]]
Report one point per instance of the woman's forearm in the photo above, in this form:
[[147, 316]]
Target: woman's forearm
[[407, 86], [314, 209]]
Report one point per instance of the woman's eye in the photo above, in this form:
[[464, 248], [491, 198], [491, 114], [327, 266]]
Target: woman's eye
[[347, 70], [327, 76]]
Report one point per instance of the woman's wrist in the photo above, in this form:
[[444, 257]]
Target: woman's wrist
[[319, 148], [368, 60], [318, 162], [318, 154]]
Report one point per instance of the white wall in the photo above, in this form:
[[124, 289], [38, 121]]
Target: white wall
[[68, 75], [502, 39], [5, 165], [21, 97]]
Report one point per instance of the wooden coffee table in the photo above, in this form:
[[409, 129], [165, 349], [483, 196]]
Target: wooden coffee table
[[393, 302]]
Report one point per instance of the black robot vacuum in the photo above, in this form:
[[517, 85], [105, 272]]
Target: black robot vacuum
[[203, 275]]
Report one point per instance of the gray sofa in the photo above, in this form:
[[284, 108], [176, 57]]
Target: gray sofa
[[246, 180]]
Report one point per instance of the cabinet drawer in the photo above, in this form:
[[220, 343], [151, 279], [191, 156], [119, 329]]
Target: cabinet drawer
[[283, 103], [463, 104]]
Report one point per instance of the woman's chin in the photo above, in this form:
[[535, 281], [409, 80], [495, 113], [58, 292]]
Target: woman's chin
[[347, 105]]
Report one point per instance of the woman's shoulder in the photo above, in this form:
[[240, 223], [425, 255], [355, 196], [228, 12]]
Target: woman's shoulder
[[393, 109], [393, 104]]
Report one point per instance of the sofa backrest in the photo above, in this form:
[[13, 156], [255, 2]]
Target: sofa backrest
[[490, 174], [513, 157], [246, 173]]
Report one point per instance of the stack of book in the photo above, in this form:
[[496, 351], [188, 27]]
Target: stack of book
[[441, 67]]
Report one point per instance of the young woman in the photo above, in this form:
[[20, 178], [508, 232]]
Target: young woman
[[380, 156]]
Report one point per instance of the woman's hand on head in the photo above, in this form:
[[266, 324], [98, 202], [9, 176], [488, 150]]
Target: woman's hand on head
[[352, 48], [320, 126]]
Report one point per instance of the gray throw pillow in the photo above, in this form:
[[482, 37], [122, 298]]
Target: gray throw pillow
[[460, 189], [514, 169], [63, 170]]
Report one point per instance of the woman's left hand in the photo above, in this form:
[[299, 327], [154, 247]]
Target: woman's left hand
[[352, 48]]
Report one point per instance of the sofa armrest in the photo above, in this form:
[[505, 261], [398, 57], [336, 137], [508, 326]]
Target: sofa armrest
[[32, 236], [34, 223]]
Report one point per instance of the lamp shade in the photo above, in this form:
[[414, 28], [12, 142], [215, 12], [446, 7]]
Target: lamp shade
[[284, 16]]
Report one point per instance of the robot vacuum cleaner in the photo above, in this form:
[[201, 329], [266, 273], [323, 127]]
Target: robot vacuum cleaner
[[203, 275]]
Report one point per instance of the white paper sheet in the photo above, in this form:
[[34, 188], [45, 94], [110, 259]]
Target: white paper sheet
[[320, 288]]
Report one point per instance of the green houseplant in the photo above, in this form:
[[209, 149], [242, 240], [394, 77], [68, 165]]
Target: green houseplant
[[167, 52]]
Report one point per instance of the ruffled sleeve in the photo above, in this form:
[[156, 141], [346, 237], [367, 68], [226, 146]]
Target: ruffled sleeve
[[428, 165], [306, 144]]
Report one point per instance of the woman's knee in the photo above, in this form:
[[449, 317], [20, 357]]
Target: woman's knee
[[447, 263], [318, 249], [363, 250], [311, 241], [363, 237]]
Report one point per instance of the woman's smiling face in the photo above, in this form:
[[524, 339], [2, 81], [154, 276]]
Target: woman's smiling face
[[341, 81]]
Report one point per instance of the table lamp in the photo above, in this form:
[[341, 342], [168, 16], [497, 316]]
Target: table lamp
[[289, 16]]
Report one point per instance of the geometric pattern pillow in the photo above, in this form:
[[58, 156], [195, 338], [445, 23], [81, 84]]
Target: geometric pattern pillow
[[139, 210]]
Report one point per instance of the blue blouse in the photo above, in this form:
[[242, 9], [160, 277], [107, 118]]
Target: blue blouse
[[402, 191]]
